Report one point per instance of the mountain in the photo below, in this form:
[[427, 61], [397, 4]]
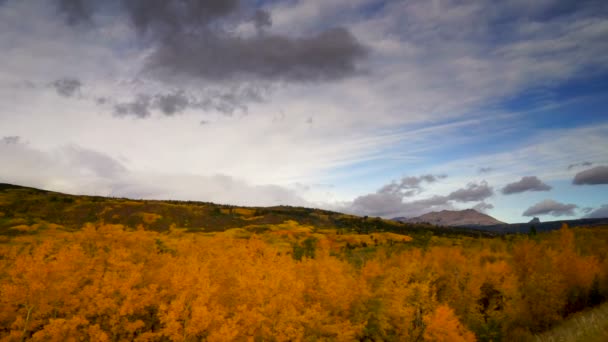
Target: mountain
[[468, 217], [535, 220]]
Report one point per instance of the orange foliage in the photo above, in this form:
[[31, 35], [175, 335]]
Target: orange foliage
[[443, 326], [107, 283]]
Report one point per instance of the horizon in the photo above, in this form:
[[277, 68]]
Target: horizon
[[397, 218], [367, 107]]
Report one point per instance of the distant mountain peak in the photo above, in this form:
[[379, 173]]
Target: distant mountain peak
[[470, 217]]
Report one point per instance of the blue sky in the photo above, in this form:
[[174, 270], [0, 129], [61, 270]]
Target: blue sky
[[376, 108]]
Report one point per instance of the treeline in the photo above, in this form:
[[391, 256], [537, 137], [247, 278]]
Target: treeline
[[108, 283]]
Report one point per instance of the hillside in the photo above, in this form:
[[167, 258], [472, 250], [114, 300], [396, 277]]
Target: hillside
[[468, 217], [23, 205]]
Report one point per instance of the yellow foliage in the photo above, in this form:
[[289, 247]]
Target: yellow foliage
[[443, 326], [25, 228], [105, 283], [244, 212], [150, 218]]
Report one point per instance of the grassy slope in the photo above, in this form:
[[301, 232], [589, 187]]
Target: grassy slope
[[587, 326]]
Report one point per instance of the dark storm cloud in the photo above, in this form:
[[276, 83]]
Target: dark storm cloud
[[529, 183], [170, 104], [473, 192], [331, 54], [140, 107], [262, 19], [195, 40], [102, 100], [75, 11], [67, 87], [572, 166], [161, 15], [551, 207], [593, 176], [11, 140], [176, 102]]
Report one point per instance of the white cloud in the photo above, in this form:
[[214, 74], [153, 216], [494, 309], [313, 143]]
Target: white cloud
[[77, 170]]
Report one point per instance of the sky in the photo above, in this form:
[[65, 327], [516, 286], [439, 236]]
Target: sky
[[378, 108]]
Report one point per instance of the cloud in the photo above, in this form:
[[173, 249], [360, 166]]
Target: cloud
[[601, 212], [197, 40], [378, 204], [176, 102], [75, 11], [67, 87], [593, 176], [392, 205], [485, 170], [483, 207], [409, 186], [262, 19], [70, 168], [331, 54], [388, 201], [170, 104], [79, 170], [551, 207], [12, 139], [472, 193], [572, 166], [95, 162], [139, 107], [528, 183]]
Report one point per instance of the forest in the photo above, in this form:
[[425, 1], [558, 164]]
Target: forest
[[109, 283], [284, 274]]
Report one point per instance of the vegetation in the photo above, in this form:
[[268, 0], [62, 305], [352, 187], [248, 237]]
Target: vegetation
[[21, 205], [284, 281], [588, 326]]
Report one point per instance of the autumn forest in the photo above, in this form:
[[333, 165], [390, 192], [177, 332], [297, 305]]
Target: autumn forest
[[295, 279]]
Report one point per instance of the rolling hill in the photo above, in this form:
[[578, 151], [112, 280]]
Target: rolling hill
[[24, 205]]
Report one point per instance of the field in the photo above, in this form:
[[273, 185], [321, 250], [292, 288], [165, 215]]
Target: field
[[101, 269]]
